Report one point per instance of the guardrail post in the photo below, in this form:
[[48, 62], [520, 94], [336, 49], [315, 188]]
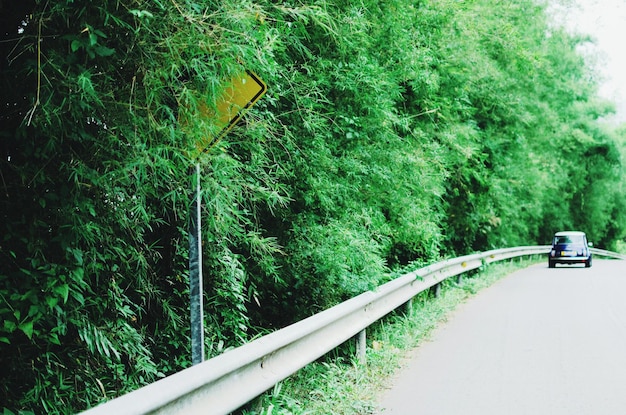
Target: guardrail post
[[409, 307], [361, 346], [436, 290]]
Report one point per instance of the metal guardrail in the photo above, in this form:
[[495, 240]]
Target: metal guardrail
[[226, 382], [608, 254]]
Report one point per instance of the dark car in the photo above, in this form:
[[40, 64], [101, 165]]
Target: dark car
[[569, 247]]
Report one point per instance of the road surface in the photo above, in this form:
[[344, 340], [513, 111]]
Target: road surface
[[541, 341]]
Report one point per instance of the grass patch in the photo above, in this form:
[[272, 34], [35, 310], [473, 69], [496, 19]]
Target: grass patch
[[339, 385]]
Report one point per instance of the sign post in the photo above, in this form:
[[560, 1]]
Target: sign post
[[243, 91], [195, 273]]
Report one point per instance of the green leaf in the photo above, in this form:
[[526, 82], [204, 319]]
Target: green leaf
[[75, 45], [78, 256], [9, 326], [99, 33], [78, 274], [78, 297], [52, 301], [33, 310], [54, 339], [64, 291], [104, 51], [27, 328]]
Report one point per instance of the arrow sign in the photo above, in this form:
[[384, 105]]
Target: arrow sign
[[240, 93]]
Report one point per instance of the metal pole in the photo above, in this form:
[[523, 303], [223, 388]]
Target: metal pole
[[361, 346], [195, 274]]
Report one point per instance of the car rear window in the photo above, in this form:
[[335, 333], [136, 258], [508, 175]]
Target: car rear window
[[569, 239]]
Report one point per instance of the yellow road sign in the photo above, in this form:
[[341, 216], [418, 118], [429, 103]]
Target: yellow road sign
[[240, 93]]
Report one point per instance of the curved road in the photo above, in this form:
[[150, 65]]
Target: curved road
[[541, 341]]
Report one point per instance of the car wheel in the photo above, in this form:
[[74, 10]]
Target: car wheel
[[588, 263], [551, 264]]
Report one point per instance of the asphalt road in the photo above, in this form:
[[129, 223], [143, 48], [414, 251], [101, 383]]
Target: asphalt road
[[540, 341]]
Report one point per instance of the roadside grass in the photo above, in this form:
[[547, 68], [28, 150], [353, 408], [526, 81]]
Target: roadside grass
[[621, 247], [339, 384]]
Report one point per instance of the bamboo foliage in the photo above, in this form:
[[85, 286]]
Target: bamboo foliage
[[393, 133]]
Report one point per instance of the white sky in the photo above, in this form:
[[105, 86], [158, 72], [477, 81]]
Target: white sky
[[605, 20]]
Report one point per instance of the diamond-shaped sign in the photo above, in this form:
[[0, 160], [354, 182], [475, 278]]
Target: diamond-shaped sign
[[240, 93]]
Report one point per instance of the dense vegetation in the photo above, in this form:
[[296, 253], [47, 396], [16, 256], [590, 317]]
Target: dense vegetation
[[394, 132]]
